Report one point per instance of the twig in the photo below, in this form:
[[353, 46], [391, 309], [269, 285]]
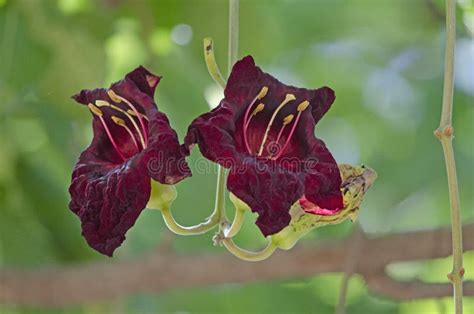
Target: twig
[[352, 259], [158, 272], [445, 133], [381, 284]]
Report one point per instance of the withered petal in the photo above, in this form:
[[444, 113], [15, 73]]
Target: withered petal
[[111, 183], [270, 186], [268, 189], [108, 201]]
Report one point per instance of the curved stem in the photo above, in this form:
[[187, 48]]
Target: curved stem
[[236, 224], [213, 68], [249, 255], [211, 63], [445, 134], [171, 223]]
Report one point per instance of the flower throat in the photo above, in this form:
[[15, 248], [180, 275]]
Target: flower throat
[[287, 120]]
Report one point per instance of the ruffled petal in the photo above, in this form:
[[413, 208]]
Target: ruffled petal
[[268, 190], [164, 158], [108, 200], [322, 181]]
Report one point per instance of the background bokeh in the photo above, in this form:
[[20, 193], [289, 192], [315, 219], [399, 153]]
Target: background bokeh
[[384, 59]]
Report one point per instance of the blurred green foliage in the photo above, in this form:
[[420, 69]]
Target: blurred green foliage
[[383, 58]]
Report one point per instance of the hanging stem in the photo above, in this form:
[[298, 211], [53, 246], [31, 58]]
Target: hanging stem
[[236, 224], [445, 133], [233, 33], [171, 223], [232, 57], [248, 255]]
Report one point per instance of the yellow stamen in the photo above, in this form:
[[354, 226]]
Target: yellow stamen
[[262, 92], [118, 98], [114, 96], [100, 103], [288, 119], [95, 110], [131, 112], [302, 106], [254, 113], [288, 98], [122, 123], [118, 121], [259, 108]]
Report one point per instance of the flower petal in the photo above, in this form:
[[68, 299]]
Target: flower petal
[[108, 200], [322, 181], [268, 190], [164, 158]]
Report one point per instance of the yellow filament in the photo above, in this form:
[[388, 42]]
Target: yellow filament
[[100, 103], [95, 110], [288, 98]]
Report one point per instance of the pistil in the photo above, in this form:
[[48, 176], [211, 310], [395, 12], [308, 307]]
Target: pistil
[[96, 111], [101, 103], [288, 98]]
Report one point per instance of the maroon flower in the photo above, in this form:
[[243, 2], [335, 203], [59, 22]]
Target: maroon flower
[[263, 131], [132, 143]]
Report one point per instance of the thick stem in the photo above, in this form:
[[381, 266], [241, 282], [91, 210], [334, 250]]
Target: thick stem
[[447, 110], [236, 224], [171, 223], [445, 134], [220, 196], [249, 256]]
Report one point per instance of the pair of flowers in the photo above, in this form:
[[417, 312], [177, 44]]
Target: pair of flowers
[[262, 131]]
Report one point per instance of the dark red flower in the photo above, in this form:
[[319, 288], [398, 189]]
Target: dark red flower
[[132, 143], [263, 131]]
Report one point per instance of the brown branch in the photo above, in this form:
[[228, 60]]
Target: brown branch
[[160, 271], [382, 284]]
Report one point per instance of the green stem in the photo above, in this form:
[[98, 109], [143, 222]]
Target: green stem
[[445, 133], [248, 255], [236, 224], [171, 223], [233, 33], [211, 63], [220, 196], [232, 57]]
